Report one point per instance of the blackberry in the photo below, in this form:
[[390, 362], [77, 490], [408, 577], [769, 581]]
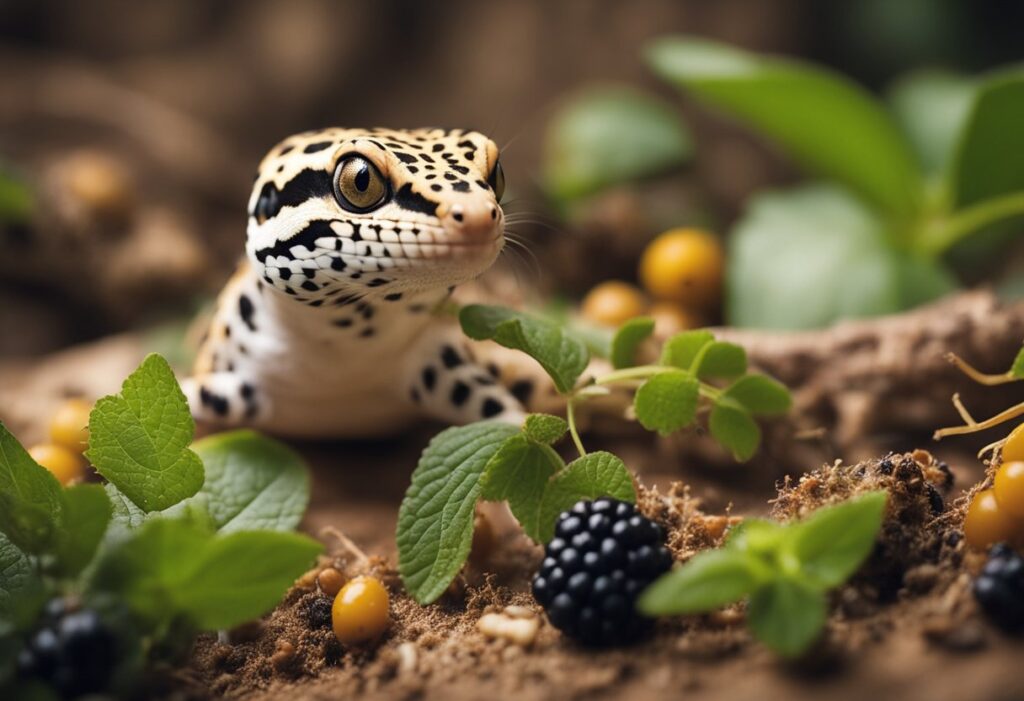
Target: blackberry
[[603, 555], [72, 651], [999, 588]]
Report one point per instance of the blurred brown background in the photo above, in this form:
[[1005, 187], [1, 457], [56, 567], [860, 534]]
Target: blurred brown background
[[140, 123]]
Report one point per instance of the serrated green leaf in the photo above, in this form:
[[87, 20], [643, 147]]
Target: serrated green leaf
[[139, 439], [682, 349], [435, 520], [17, 578], [545, 428], [801, 107], [756, 535], [760, 395], [609, 135], [31, 508], [87, 512], [125, 515], [722, 360], [252, 482], [628, 338], [1017, 369], [834, 541], [709, 580], [519, 472], [174, 567], [732, 426], [787, 616], [594, 475], [667, 401], [563, 356]]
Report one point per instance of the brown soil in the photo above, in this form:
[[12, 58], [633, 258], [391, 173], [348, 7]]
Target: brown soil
[[907, 628]]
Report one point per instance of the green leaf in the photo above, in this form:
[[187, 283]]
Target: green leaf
[[682, 349], [932, 107], [125, 515], [519, 472], [605, 136], [87, 513], [17, 578], [545, 428], [709, 580], [174, 567], [563, 356], [786, 616], [30, 497], [139, 439], [628, 338], [722, 360], [252, 482], [813, 255], [1017, 369], [834, 541], [594, 475], [435, 520], [760, 395], [667, 401], [733, 427], [757, 536], [981, 169], [803, 108]]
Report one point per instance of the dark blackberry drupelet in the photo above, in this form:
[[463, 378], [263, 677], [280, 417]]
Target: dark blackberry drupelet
[[603, 555], [73, 651], [999, 588]]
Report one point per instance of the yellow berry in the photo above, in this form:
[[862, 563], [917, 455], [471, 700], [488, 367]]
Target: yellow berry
[[986, 523], [613, 303], [1009, 488], [360, 611], [330, 581], [684, 266], [1013, 448], [69, 425], [670, 319], [65, 465]]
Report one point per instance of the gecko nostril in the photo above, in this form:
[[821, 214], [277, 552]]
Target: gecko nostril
[[494, 212], [457, 216]]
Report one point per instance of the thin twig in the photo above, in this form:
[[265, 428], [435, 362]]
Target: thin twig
[[1011, 413], [978, 376]]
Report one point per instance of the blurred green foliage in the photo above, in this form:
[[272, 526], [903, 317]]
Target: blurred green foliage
[[16, 199], [607, 135], [913, 189]]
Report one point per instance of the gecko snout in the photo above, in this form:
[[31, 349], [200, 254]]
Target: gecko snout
[[473, 219]]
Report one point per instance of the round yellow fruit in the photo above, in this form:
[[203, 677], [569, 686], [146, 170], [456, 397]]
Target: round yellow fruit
[[69, 425], [360, 611], [613, 303], [65, 465], [670, 319], [684, 266], [987, 523], [1013, 448], [1009, 489]]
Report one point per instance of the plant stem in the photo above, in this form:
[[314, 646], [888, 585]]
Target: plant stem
[[570, 417], [999, 418], [637, 373], [980, 377], [939, 238]]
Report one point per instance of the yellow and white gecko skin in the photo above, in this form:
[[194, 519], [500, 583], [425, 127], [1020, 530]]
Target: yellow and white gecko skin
[[355, 236]]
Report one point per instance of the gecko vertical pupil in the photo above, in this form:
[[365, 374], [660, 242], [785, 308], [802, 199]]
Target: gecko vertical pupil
[[358, 185]]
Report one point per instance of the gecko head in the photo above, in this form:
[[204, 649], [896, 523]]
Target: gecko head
[[337, 212]]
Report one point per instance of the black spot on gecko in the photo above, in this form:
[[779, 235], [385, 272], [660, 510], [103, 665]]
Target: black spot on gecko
[[246, 311], [318, 146], [522, 390], [429, 378], [461, 187], [310, 285], [393, 297], [460, 393], [406, 157], [367, 332], [215, 402], [491, 407], [342, 323], [413, 201], [450, 357], [307, 237]]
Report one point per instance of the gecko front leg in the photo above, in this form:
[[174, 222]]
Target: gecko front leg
[[447, 384], [225, 399]]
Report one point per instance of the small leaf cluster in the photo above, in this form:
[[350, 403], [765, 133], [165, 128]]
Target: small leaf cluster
[[782, 571], [492, 461], [184, 537], [496, 461]]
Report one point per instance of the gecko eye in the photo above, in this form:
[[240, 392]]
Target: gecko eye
[[358, 184], [497, 180]]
